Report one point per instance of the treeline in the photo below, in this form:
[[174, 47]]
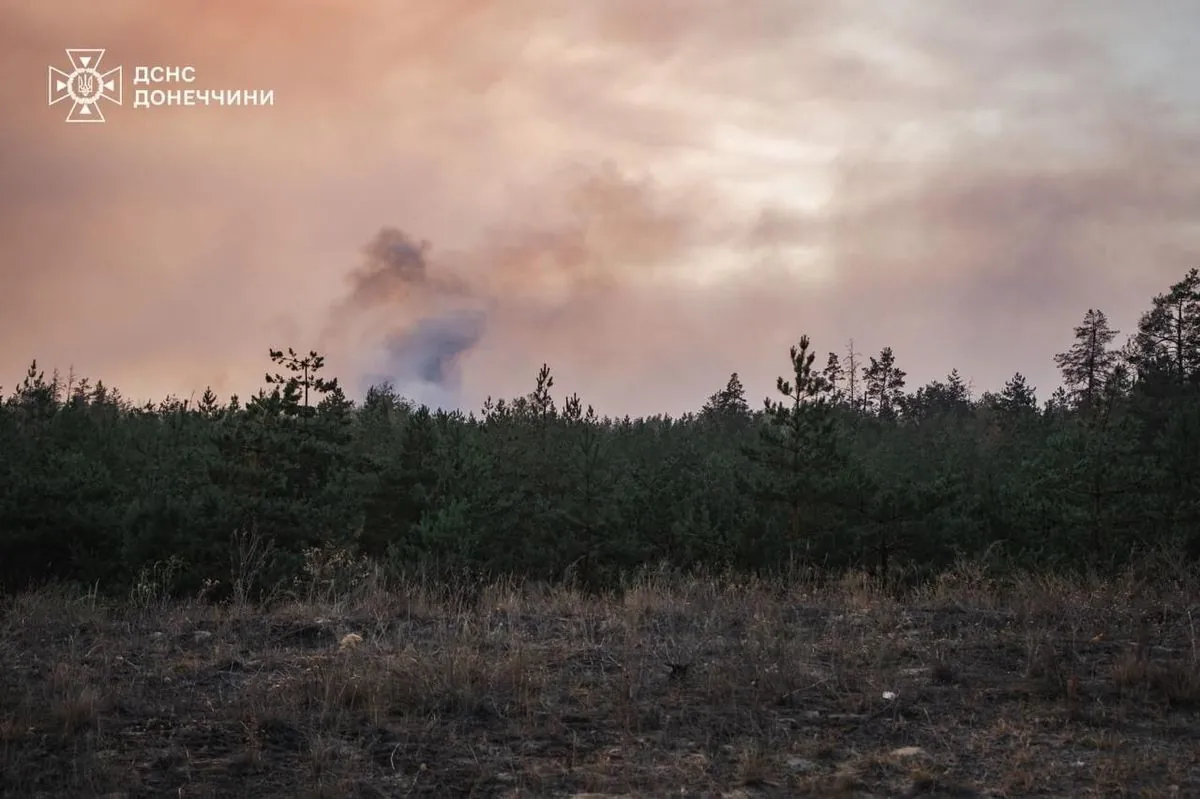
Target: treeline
[[843, 467]]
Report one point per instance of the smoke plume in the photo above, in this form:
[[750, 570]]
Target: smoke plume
[[414, 324], [645, 195]]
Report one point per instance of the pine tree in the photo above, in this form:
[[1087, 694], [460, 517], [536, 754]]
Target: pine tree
[[1087, 366], [938, 398], [541, 403], [884, 384], [728, 407], [853, 389], [836, 377], [1016, 397], [1168, 339], [797, 445], [208, 406], [304, 380]]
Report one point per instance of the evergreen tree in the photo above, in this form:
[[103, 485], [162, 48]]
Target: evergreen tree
[[728, 407], [854, 393], [797, 447], [208, 406], [1088, 364], [835, 376], [884, 383], [1167, 343], [1017, 397], [937, 399], [303, 381]]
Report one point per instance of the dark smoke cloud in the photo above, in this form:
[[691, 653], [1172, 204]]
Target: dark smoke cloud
[[412, 320], [396, 269], [393, 259]]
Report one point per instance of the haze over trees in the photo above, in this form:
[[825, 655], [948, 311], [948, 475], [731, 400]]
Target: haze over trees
[[846, 466]]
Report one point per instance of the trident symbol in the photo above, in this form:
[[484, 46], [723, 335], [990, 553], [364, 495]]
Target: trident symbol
[[85, 86]]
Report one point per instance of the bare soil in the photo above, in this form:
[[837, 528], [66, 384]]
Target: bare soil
[[681, 688]]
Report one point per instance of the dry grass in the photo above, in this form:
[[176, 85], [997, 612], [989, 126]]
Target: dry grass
[[690, 688]]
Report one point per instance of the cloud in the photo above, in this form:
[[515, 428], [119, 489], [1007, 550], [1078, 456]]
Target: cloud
[[647, 196]]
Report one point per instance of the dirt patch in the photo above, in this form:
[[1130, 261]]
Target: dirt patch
[[695, 689]]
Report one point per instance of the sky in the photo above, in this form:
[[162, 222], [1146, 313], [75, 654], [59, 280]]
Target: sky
[[647, 196]]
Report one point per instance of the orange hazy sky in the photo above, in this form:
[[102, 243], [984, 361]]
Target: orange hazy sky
[[645, 195]]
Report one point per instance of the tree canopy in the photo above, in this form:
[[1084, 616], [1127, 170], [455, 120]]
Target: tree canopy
[[845, 467]]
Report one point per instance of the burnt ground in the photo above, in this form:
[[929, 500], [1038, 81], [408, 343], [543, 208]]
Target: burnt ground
[[700, 688]]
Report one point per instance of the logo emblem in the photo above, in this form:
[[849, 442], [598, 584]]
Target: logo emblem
[[85, 86]]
